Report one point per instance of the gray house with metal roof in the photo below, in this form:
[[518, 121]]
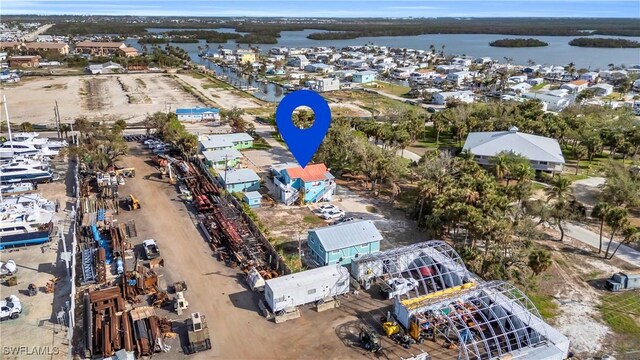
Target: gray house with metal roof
[[544, 153], [340, 244]]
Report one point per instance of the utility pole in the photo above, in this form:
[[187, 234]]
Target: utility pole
[[57, 113]]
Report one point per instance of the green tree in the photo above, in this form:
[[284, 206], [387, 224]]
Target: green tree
[[539, 261], [600, 212], [560, 189], [580, 152], [26, 127], [119, 126], [617, 218], [630, 234]]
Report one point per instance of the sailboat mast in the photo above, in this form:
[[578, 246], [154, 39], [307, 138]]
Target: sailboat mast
[[6, 112]]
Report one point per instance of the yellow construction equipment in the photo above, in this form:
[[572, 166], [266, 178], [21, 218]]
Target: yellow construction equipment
[[134, 203], [390, 328]]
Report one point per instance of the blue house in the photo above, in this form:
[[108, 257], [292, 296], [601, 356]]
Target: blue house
[[198, 114], [253, 199], [314, 182], [364, 77], [239, 180], [340, 244]]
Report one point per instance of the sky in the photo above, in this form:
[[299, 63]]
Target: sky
[[330, 8]]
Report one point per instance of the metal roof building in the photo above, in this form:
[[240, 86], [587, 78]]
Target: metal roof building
[[340, 244]]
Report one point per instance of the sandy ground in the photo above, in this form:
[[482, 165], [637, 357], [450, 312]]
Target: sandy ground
[[37, 327], [225, 98], [218, 292], [126, 96]]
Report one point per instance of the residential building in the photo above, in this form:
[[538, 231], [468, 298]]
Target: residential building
[[518, 78], [543, 153], [99, 48], [253, 199], [441, 98], [575, 86], [462, 61], [239, 180], [237, 141], [520, 87], [222, 159], [364, 77], [602, 89], [319, 68], [551, 103], [31, 61], [299, 61], [314, 182], [128, 51], [459, 77], [591, 76], [198, 114], [61, 48], [9, 45], [340, 244], [327, 84], [245, 57], [535, 81], [106, 68]]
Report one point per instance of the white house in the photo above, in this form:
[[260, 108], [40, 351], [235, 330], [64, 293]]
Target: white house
[[551, 103], [543, 153], [518, 78], [602, 89], [461, 61], [535, 81], [198, 114], [575, 86], [589, 76], [106, 68], [459, 77], [299, 61], [326, 84], [319, 68], [520, 87], [441, 98], [364, 77]]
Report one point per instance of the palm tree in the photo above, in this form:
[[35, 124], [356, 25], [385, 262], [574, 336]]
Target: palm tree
[[580, 152], [539, 261], [65, 128], [617, 218], [600, 212], [501, 166], [560, 189], [631, 233], [26, 127]]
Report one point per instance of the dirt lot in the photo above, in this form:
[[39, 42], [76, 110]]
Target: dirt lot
[[238, 331], [126, 96], [37, 327], [225, 97]]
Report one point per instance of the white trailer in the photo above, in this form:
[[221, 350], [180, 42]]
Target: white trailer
[[290, 291]]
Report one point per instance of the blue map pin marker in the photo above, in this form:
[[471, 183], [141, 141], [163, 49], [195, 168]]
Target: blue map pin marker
[[303, 143]]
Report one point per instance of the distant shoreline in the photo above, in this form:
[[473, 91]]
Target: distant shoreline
[[610, 43]]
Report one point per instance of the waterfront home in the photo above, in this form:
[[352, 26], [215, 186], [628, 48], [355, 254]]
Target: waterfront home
[[550, 102], [319, 68], [239, 180], [543, 153], [314, 182], [342, 243], [575, 86], [441, 98], [99, 48], [602, 89], [364, 77], [462, 61], [459, 77], [591, 76], [60, 48], [299, 61], [30, 61], [245, 56], [106, 68], [275, 71], [280, 50], [236, 141], [198, 114], [222, 159]]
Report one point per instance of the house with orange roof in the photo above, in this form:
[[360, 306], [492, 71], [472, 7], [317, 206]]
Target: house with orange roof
[[575, 86], [314, 183]]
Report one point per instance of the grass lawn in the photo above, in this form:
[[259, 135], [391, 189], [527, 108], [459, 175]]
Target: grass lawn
[[260, 144], [197, 75], [312, 220], [389, 88], [379, 103], [276, 136], [428, 139], [587, 168], [622, 313], [545, 304], [539, 86]]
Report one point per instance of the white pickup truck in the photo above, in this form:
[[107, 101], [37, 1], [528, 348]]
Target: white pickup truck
[[10, 308], [393, 287], [151, 250]]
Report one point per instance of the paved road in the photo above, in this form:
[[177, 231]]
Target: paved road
[[34, 35], [588, 237]]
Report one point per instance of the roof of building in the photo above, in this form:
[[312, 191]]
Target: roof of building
[[238, 176], [533, 147], [347, 234], [129, 49], [24, 57], [446, 94], [45, 45], [222, 154], [367, 72], [579, 82], [223, 140], [253, 195], [315, 172], [304, 279], [4, 44], [100, 44], [196, 111]]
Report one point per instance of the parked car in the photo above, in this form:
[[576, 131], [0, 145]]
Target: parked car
[[342, 220], [151, 250], [328, 207], [10, 308], [397, 286], [332, 214]]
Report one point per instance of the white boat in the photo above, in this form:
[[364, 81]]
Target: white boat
[[34, 139], [9, 149], [17, 173], [16, 188], [28, 201], [20, 226]]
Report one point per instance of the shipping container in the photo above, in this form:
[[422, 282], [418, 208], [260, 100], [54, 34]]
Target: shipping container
[[290, 291]]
